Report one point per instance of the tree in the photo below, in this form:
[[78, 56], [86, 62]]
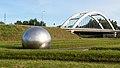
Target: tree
[[105, 24], [114, 23], [31, 22], [42, 23], [25, 23], [18, 23], [34, 22], [2, 22], [91, 24], [37, 23]]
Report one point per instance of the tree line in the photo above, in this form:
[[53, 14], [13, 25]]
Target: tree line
[[1, 22], [93, 24], [34, 22]]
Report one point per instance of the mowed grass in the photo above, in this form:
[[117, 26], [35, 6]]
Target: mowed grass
[[71, 44], [54, 64], [86, 42], [15, 32], [63, 53], [67, 50]]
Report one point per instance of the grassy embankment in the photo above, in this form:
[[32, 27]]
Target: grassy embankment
[[15, 32], [64, 46]]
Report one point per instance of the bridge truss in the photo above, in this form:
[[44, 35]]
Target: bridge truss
[[83, 16], [80, 16]]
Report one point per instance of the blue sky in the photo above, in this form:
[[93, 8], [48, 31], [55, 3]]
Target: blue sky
[[56, 11]]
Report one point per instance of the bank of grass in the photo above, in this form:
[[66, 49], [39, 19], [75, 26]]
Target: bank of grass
[[60, 34], [12, 32], [53, 64], [15, 32]]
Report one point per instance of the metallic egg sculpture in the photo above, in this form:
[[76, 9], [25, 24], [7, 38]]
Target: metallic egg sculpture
[[36, 38]]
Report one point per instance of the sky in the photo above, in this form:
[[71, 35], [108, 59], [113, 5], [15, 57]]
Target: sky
[[55, 11]]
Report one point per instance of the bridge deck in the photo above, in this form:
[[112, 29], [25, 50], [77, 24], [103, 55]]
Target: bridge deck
[[91, 30]]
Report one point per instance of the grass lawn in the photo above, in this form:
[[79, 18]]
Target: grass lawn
[[68, 51], [54, 64], [57, 44]]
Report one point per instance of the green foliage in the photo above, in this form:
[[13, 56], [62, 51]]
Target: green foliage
[[18, 23], [25, 22], [114, 23], [91, 24], [34, 22], [2, 22], [42, 23], [105, 24]]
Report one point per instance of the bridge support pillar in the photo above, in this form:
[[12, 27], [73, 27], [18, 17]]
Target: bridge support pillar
[[72, 31], [115, 34]]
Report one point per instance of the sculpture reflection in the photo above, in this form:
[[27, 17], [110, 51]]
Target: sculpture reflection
[[36, 38]]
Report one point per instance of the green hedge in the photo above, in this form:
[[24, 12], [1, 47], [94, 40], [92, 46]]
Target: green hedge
[[66, 55]]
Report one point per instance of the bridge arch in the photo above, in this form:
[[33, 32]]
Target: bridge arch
[[84, 15]]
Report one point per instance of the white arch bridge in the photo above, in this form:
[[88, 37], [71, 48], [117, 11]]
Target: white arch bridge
[[79, 17]]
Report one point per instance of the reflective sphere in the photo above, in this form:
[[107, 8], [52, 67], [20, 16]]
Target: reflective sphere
[[36, 38]]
